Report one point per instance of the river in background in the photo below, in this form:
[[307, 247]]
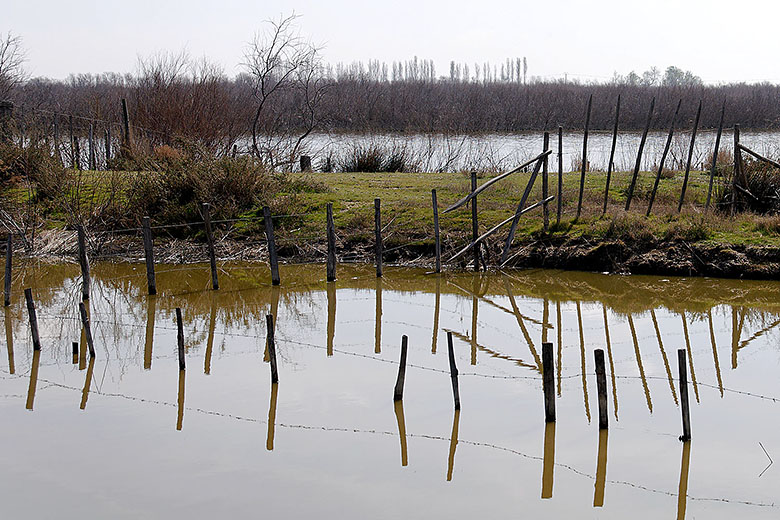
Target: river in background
[[129, 436]]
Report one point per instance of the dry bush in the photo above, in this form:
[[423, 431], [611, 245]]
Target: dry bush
[[761, 188]]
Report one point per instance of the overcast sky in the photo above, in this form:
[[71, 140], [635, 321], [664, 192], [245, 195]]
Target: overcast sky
[[587, 40]]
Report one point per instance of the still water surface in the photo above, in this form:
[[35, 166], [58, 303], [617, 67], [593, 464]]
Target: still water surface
[[130, 436]]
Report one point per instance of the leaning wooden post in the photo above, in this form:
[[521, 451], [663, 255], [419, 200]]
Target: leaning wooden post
[[684, 406], [715, 156], [180, 338], [548, 382], [331, 232], [453, 371], [269, 321], [737, 170], [474, 223], [269, 236], [601, 385], [398, 394], [127, 139], [378, 236], [584, 156], [107, 138], [149, 254], [690, 156], [9, 251], [611, 155], [205, 209], [545, 186], [91, 143], [83, 262], [560, 174], [33, 319], [638, 163], [87, 329], [663, 159], [436, 237]]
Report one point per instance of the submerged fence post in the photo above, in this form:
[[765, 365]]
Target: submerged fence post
[[611, 155], [584, 156], [378, 235], [331, 232], [269, 236], [453, 371], [33, 319], [83, 262], [474, 224], [398, 394], [9, 251], [205, 208], [87, 329], [684, 406], [180, 338], [560, 174], [545, 186], [269, 321], [601, 385], [548, 382], [149, 254], [436, 237]]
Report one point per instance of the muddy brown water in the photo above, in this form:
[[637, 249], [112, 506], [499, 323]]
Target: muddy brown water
[[129, 436]]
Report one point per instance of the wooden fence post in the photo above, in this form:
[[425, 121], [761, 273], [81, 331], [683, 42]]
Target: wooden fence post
[[663, 159], [611, 155], [474, 223], [127, 138], [180, 339], [83, 262], [690, 157], [107, 138], [33, 319], [269, 236], [584, 156], [91, 143], [87, 329], [205, 209], [638, 163], [436, 236], [331, 232], [269, 321], [73, 153], [737, 170], [545, 186], [9, 251], [715, 156], [149, 254], [56, 137], [601, 385], [453, 371], [560, 174], [398, 394], [548, 382], [378, 236]]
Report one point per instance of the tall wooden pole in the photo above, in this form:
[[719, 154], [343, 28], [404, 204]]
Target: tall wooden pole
[[584, 156]]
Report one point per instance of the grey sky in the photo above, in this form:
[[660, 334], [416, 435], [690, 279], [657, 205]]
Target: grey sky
[[587, 40]]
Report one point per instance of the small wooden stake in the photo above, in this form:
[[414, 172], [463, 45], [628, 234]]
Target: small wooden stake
[[205, 209], [269, 236], [611, 155], [601, 384], [180, 338], [548, 382], [560, 174], [84, 262], [269, 321], [33, 319], [9, 251], [378, 235], [584, 156], [474, 223], [331, 232], [398, 394], [149, 254], [87, 329], [453, 371], [690, 156], [545, 187], [715, 156], [638, 163], [684, 406], [436, 230]]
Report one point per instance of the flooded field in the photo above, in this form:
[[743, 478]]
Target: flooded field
[[127, 435]]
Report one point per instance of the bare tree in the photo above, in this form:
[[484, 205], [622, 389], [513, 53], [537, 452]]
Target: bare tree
[[12, 57]]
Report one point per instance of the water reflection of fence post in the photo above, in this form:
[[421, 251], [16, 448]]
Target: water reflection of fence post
[[180, 400], [33, 319], [638, 163], [9, 248], [474, 223], [583, 362], [269, 321], [436, 311], [378, 236], [87, 329], [36, 361], [83, 262], [331, 329], [87, 383], [398, 393], [601, 469], [684, 406], [584, 156], [378, 318], [9, 339], [398, 407], [206, 211], [548, 382], [548, 463], [453, 444], [453, 371], [269, 440], [682, 490], [331, 233], [75, 350], [269, 236], [611, 155], [180, 338], [601, 386], [151, 307], [436, 236], [210, 337], [149, 256]]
